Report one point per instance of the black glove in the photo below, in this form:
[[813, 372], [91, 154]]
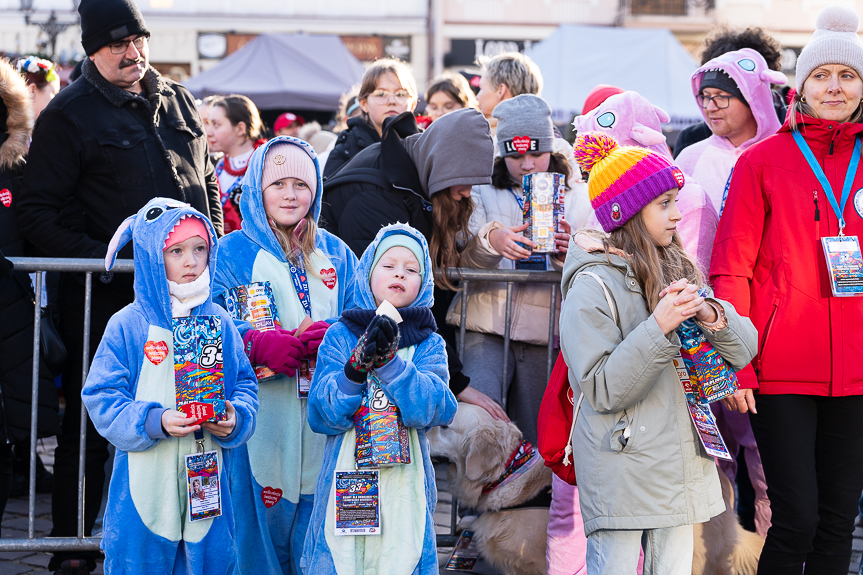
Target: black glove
[[384, 332]]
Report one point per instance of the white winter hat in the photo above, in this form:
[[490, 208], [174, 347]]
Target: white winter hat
[[835, 41]]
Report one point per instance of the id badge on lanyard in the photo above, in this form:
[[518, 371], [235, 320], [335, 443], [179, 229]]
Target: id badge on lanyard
[[307, 366], [841, 253], [202, 476]]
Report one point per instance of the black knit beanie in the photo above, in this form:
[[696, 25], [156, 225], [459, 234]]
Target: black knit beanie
[[722, 81], [106, 21]]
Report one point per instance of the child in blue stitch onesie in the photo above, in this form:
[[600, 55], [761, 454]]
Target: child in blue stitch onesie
[[310, 273], [409, 360], [130, 395]]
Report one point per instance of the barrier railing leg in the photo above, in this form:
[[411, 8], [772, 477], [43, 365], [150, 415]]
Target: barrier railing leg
[[462, 326], [85, 369], [552, 314], [506, 329], [34, 407]]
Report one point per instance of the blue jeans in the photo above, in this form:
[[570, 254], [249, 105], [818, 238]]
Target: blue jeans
[[667, 551]]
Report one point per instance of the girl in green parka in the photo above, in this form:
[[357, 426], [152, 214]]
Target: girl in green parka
[[644, 477]]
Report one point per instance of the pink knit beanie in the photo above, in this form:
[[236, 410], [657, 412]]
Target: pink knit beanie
[[187, 227], [286, 160]]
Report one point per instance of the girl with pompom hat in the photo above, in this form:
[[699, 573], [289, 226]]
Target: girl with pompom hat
[[644, 477], [768, 260]]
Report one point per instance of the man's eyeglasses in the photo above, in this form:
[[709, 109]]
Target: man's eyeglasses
[[383, 96], [720, 102], [122, 47]]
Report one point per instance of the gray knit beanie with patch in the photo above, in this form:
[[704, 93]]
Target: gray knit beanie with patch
[[524, 126], [835, 41]]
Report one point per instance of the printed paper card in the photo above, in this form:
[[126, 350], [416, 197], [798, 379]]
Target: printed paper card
[[307, 366], [382, 438], [711, 378], [543, 208], [205, 497], [465, 555], [707, 430], [254, 303], [358, 510], [198, 371], [845, 265]]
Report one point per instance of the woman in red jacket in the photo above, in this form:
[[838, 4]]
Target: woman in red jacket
[[769, 262]]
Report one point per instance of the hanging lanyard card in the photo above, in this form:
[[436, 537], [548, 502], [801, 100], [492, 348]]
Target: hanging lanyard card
[[307, 366], [358, 506], [707, 430], [465, 555], [205, 497], [845, 264]]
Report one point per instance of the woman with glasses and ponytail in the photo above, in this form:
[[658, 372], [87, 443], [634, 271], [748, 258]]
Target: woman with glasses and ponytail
[[787, 254], [387, 90]]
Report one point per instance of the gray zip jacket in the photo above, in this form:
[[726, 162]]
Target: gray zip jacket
[[662, 477]]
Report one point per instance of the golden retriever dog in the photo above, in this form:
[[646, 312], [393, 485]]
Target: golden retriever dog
[[513, 541]]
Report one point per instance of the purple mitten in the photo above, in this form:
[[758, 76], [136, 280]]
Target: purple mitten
[[313, 336], [277, 349]]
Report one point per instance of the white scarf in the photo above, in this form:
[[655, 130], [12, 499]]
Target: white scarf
[[185, 297]]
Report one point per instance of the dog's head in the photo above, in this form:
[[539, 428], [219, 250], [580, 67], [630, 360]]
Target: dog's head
[[478, 446]]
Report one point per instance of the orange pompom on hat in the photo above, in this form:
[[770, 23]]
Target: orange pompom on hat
[[623, 179]]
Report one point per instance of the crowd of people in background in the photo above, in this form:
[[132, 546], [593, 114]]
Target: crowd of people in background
[[384, 204]]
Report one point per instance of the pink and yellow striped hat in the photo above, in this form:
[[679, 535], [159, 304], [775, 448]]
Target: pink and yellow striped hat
[[623, 179]]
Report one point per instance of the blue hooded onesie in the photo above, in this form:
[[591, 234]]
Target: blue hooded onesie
[[147, 529], [415, 380], [284, 457]]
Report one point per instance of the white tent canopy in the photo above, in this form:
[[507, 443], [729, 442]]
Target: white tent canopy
[[651, 62], [278, 71]]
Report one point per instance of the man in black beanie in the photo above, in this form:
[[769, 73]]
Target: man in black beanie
[[111, 141]]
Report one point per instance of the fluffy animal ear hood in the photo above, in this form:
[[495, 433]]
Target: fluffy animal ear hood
[[148, 230], [18, 120], [363, 291], [255, 223], [749, 71], [630, 119]]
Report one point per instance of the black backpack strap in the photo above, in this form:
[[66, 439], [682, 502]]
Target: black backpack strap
[[371, 176]]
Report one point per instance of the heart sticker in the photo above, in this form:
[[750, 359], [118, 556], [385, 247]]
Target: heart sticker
[[156, 351], [678, 177], [329, 277], [521, 144], [6, 197], [270, 496]]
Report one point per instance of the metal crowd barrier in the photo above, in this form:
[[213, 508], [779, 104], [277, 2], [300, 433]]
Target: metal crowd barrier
[[89, 266], [467, 276], [39, 266]]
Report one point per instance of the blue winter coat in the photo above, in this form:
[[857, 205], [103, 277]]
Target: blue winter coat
[[284, 457], [416, 380], [146, 527]]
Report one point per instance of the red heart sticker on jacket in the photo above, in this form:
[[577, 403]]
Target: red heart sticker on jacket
[[6, 197], [329, 277], [521, 144], [270, 496], [156, 351]]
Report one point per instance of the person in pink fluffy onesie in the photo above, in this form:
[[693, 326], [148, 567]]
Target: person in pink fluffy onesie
[[733, 91], [633, 121]]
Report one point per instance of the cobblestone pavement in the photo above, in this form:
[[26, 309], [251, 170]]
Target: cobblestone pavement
[[14, 525]]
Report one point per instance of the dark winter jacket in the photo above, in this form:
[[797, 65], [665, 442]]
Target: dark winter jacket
[[359, 136], [100, 153], [16, 295]]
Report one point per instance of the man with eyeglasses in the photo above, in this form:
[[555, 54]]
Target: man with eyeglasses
[[108, 143], [733, 92]]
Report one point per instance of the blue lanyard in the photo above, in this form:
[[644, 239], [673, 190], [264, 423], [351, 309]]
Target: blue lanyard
[[301, 284], [518, 198], [839, 208], [725, 193], [228, 194]]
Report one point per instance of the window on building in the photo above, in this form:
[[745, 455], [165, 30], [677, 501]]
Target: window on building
[[658, 7]]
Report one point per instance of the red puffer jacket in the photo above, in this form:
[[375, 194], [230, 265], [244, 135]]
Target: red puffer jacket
[[768, 261]]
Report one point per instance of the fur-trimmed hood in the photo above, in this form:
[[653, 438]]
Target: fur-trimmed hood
[[19, 116]]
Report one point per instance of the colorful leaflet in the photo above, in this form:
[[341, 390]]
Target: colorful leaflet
[[198, 371]]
